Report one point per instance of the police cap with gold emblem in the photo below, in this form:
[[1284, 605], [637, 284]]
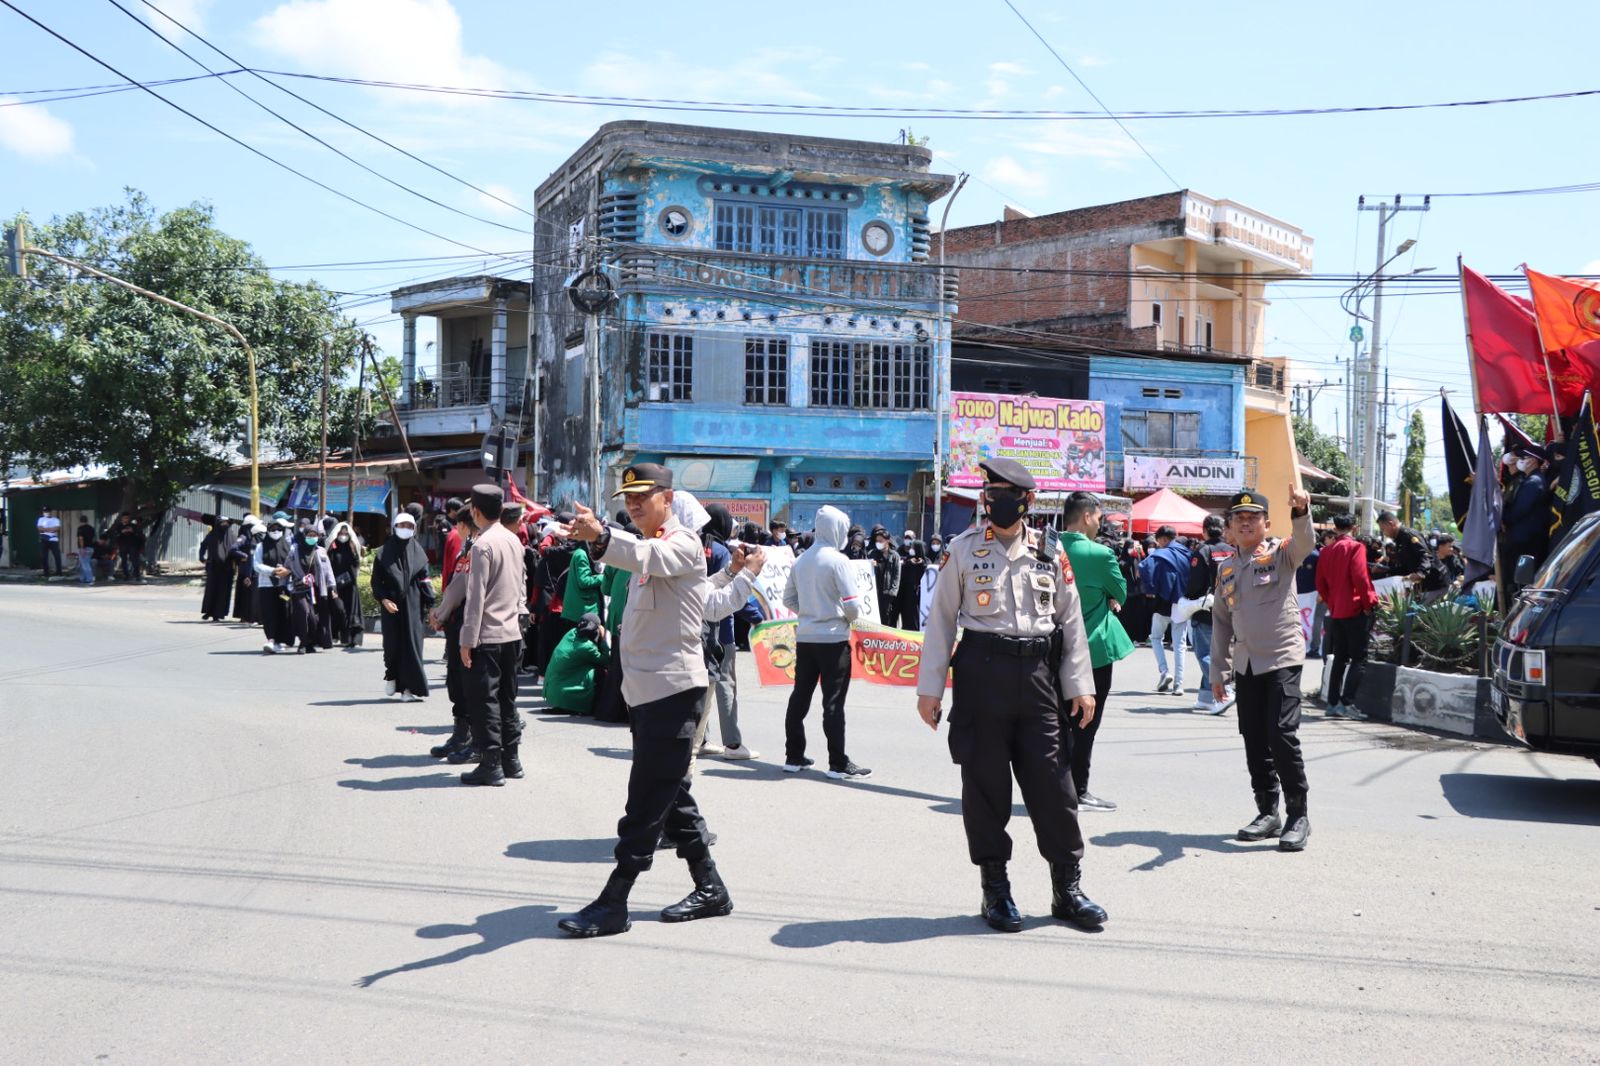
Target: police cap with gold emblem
[[1010, 471], [1246, 501], [644, 477]]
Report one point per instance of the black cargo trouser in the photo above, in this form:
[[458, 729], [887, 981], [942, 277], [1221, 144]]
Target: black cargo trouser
[[1005, 719], [274, 615], [491, 690], [1269, 721], [830, 664], [659, 801], [1081, 737], [1347, 639], [455, 677]]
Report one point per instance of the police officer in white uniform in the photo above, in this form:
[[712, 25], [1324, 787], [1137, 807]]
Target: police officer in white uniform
[[1023, 663]]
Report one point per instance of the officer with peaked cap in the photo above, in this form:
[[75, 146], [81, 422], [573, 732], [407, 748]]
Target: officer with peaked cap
[[1257, 640], [1023, 662]]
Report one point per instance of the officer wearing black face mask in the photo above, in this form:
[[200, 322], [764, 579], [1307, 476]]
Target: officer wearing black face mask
[[1024, 659]]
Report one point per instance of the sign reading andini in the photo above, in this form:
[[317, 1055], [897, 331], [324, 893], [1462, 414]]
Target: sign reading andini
[[1216, 476]]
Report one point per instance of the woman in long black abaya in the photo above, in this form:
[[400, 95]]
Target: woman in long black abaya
[[344, 553], [215, 553], [400, 585]]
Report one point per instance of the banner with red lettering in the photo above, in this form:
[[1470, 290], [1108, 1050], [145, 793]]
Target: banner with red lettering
[[878, 655]]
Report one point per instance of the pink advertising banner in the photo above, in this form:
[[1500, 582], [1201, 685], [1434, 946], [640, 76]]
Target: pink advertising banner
[[1061, 442]]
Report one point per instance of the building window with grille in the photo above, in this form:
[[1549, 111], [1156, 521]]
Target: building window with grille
[[670, 368], [799, 232], [871, 375], [766, 371]]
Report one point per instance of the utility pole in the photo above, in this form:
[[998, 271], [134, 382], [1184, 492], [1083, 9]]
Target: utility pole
[[944, 344], [355, 444], [322, 472], [1367, 383]]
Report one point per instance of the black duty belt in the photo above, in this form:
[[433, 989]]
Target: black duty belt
[[1021, 647]]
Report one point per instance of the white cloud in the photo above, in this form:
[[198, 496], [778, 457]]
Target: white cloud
[[499, 193], [1008, 175], [1093, 61], [389, 40], [32, 131], [757, 75], [190, 13], [1012, 70], [1591, 267], [1067, 142]]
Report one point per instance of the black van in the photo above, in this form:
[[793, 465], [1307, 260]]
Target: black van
[[1546, 686]]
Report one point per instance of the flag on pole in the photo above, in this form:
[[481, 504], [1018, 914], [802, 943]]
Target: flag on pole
[[1567, 310], [1482, 527], [1576, 490], [1459, 460], [1517, 440], [1507, 358]]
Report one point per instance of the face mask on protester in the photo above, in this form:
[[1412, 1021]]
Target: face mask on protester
[[344, 539], [405, 532], [1006, 507], [274, 534], [311, 542], [1528, 466]]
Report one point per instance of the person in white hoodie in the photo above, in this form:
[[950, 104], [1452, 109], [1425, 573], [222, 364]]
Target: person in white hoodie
[[822, 592]]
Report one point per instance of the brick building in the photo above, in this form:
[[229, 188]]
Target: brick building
[[1163, 299]]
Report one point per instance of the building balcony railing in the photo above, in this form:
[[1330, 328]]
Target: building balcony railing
[[459, 390], [731, 274], [1265, 375]]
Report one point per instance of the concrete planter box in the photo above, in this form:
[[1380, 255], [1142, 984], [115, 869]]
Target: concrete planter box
[[1377, 690], [372, 623], [1447, 702]]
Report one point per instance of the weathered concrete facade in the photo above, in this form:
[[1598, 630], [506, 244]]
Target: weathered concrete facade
[[777, 337]]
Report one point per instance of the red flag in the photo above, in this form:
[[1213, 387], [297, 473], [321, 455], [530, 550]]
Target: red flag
[[1567, 311], [1506, 355]]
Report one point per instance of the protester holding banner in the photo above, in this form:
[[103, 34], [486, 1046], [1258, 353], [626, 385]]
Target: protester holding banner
[[1024, 656]]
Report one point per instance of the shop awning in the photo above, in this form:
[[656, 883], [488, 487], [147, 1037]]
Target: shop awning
[[1166, 508], [1307, 470]]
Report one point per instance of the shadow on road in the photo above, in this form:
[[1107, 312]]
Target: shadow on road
[[1575, 801], [878, 931], [430, 730], [354, 703], [496, 930], [562, 850], [394, 762], [1170, 847], [405, 784]]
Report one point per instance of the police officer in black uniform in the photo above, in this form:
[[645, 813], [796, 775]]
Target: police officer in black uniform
[[1023, 663]]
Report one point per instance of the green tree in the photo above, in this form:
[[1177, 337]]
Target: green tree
[[1414, 491], [94, 373]]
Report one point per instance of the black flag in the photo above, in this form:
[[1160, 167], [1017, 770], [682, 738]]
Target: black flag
[[1576, 490], [1459, 462]]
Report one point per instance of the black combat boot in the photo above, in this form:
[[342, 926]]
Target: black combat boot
[[488, 771], [459, 738], [1299, 827], [998, 908], [1068, 901], [1266, 823], [509, 763], [464, 754], [709, 899], [606, 916]]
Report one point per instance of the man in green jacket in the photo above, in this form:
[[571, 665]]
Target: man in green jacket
[[1102, 588], [582, 594]]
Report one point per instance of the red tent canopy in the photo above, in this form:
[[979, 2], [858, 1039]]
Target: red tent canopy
[[1166, 508]]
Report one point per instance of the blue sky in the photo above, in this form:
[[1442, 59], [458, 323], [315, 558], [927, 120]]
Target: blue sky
[[1307, 170]]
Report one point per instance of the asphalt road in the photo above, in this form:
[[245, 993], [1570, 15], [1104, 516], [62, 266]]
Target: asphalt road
[[209, 855]]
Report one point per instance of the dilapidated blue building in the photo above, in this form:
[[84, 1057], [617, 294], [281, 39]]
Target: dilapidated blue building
[[775, 334]]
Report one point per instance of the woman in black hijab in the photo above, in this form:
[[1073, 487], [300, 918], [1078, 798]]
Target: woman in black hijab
[[216, 553], [310, 590], [244, 588], [344, 555], [400, 585]]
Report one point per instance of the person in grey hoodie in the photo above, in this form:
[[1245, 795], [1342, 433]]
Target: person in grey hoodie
[[822, 592]]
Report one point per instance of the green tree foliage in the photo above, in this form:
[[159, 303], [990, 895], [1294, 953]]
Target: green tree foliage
[[1323, 451], [93, 373], [1414, 491]]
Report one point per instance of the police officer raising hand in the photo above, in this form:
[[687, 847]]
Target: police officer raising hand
[[1024, 659]]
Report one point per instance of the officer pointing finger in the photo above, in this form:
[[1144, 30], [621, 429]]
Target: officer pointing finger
[[1023, 658]]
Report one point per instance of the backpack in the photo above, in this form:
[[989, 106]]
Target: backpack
[[1167, 572]]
